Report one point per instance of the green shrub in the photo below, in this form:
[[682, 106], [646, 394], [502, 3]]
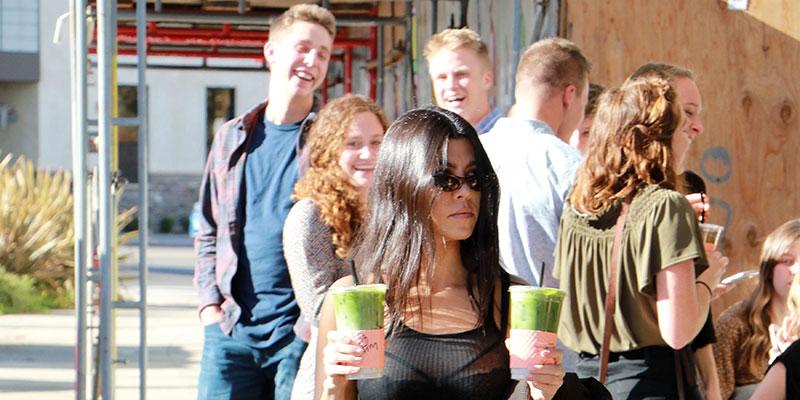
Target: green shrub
[[23, 294], [36, 226], [166, 224], [36, 231], [184, 223]]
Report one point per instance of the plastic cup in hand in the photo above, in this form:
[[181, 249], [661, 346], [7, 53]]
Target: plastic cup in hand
[[711, 233], [535, 313], [359, 313]]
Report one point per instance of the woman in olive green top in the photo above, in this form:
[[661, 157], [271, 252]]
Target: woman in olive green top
[[638, 145]]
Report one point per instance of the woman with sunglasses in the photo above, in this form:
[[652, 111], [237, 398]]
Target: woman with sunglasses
[[331, 199], [431, 236], [664, 280]]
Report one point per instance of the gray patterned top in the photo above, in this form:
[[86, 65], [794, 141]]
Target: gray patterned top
[[313, 267], [309, 252]]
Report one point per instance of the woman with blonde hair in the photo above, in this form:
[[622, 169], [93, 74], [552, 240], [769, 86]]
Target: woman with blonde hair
[[627, 232], [331, 198], [743, 330]]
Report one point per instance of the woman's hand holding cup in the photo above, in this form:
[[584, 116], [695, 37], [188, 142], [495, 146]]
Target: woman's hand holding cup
[[717, 265], [341, 356], [544, 379]]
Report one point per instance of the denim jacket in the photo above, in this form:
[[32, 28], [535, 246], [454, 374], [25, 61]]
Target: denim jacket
[[219, 239]]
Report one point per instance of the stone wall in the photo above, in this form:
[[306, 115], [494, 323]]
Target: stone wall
[[171, 196]]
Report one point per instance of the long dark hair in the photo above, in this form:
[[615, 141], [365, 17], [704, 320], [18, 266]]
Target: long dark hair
[[396, 238]]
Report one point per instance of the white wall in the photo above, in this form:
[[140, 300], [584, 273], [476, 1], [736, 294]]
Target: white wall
[[54, 89], [18, 26], [177, 107]]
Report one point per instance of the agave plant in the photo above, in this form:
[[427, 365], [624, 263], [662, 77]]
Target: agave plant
[[36, 222]]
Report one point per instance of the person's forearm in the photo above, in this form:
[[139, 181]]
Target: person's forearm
[[344, 391], [703, 296], [708, 372], [702, 303], [682, 304], [205, 279]]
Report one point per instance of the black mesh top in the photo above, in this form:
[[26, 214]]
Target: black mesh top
[[791, 360], [467, 365]]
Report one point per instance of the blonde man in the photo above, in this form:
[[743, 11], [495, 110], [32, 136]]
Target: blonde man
[[530, 154], [247, 305], [534, 163], [461, 73]]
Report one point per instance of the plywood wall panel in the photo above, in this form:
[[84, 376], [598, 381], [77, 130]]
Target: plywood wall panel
[[748, 69]]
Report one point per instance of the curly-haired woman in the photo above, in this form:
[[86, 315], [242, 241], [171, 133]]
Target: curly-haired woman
[[663, 290], [331, 198], [742, 352]]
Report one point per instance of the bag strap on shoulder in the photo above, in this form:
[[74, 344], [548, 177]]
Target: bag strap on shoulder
[[611, 292]]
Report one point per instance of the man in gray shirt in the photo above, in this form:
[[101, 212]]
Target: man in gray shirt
[[534, 163]]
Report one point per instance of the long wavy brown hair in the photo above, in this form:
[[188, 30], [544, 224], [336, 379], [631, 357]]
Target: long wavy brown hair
[[324, 182], [756, 309], [632, 144]]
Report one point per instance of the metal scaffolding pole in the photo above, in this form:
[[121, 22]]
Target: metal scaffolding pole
[[78, 61], [409, 87], [105, 53], [380, 66], [515, 43], [142, 141]]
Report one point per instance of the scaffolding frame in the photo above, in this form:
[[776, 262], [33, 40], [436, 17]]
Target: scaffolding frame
[[104, 185], [96, 232]]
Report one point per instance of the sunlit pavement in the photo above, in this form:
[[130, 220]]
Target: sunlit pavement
[[37, 350]]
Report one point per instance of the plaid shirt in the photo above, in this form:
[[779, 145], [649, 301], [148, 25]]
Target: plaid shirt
[[219, 238]]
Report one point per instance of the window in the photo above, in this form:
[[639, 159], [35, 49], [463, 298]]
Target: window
[[219, 109], [127, 151], [19, 26]]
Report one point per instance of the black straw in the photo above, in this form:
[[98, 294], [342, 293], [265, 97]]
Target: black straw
[[541, 276], [703, 209], [353, 270]]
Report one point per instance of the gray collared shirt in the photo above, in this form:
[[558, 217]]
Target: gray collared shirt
[[536, 171]]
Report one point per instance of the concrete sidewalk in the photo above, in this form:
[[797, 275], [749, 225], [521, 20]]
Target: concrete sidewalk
[[37, 350]]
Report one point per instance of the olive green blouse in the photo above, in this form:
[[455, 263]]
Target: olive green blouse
[[661, 230]]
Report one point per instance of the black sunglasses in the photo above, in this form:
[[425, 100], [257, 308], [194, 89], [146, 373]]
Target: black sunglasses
[[450, 183]]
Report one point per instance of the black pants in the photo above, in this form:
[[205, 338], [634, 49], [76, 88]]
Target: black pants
[[647, 373]]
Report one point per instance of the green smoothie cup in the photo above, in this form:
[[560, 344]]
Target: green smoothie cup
[[359, 313], [535, 314]]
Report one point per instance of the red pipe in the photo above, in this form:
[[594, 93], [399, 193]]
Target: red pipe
[[348, 70], [239, 37], [187, 41], [213, 39], [199, 54]]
